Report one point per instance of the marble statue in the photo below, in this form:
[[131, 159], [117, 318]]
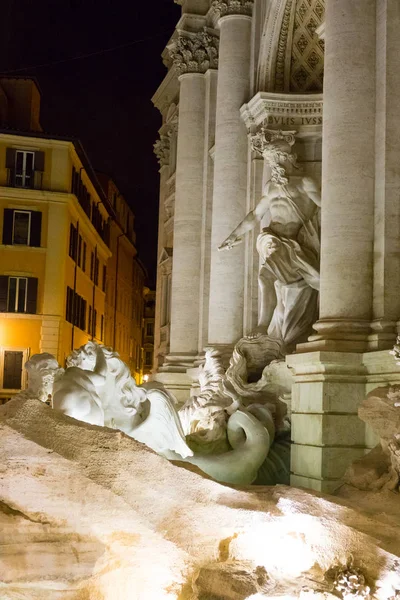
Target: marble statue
[[288, 247], [77, 391], [42, 370], [380, 468], [97, 388], [208, 417]]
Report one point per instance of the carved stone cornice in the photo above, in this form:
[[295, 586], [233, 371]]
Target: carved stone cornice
[[302, 111], [194, 53], [233, 7]]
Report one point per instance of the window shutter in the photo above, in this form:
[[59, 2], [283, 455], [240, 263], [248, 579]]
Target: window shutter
[[84, 257], [36, 228], [12, 370], [10, 158], [39, 161], [3, 292], [31, 300], [8, 226]]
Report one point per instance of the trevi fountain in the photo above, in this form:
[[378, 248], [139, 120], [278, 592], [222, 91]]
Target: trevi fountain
[[263, 459]]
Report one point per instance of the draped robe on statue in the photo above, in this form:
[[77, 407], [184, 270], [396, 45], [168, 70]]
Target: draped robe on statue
[[296, 279]]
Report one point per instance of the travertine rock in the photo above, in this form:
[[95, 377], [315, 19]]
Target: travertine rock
[[87, 513], [381, 467]]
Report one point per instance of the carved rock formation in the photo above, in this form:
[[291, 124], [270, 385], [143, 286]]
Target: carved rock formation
[[380, 469], [89, 513]]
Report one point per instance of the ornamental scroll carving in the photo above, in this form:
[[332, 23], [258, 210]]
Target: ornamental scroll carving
[[233, 7], [196, 53]]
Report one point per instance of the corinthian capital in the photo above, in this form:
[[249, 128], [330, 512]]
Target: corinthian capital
[[195, 53], [233, 7], [161, 150]]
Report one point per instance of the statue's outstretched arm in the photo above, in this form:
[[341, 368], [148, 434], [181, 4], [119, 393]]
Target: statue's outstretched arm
[[248, 223]]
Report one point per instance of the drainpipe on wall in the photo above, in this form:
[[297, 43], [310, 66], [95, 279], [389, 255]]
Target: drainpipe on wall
[[94, 291], [115, 287], [75, 273]]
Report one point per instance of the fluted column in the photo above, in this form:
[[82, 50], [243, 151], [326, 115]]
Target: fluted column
[[193, 56], [330, 382], [230, 172], [348, 166]]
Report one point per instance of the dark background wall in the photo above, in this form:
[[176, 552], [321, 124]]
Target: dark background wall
[[103, 98]]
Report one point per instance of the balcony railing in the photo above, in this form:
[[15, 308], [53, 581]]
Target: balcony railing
[[31, 180]]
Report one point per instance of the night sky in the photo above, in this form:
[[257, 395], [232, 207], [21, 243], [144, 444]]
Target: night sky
[[104, 99]]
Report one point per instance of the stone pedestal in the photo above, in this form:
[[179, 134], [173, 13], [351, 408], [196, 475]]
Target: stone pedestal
[[327, 433], [230, 180]]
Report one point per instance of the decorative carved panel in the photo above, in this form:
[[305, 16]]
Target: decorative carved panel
[[307, 54], [291, 53]]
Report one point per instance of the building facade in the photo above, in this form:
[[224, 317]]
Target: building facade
[[148, 331], [125, 283], [322, 81], [58, 236]]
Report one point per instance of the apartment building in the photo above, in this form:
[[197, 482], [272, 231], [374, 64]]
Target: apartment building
[[125, 277], [59, 244]]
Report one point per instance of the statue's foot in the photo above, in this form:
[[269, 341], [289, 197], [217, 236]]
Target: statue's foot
[[258, 332]]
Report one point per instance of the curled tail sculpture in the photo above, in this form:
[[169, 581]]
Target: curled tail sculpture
[[250, 443]]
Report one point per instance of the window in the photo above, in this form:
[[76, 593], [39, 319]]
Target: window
[[102, 327], [92, 266], [84, 257], [94, 322], [18, 294], [75, 312], [148, 358], [80, 191], [149, 329], [22, 227], [73, 241], [12, 374], [90, 319], [79, 251], [96, 271], [104, 280], [22, 166]]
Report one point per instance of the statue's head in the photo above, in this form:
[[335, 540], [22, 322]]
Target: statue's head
[[276, 147], [84, 357], [121, 385], [42, 370]]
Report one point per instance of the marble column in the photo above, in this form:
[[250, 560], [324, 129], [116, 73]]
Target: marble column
[[386, 303], [230, 173], [348, 176], [187, 220], [211, 97], [330, 379], [193, 55]]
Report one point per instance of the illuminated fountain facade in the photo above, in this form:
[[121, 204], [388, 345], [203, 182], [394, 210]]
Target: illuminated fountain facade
[[277, 307], [278, 236]]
